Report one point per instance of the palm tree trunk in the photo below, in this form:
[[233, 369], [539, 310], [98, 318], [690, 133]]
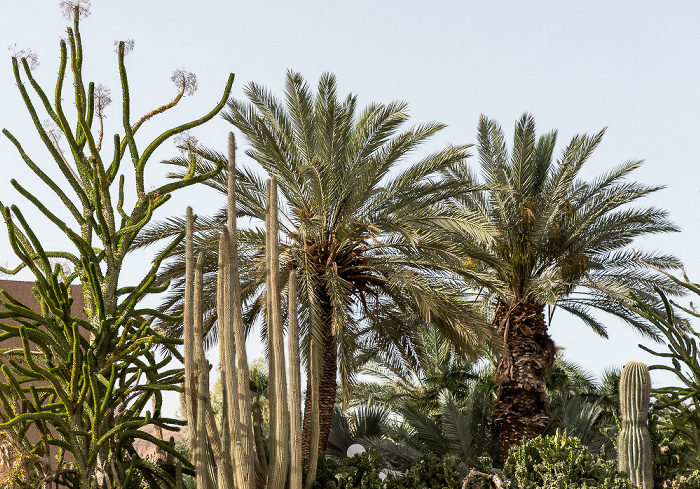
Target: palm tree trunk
[[327, 393], [522, 406]]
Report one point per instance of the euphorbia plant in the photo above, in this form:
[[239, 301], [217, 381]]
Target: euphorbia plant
[[83, 383]]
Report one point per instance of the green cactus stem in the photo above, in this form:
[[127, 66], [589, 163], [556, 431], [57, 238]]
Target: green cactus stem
[[634, 442]]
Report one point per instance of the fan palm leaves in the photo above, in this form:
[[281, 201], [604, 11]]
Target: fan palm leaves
[[559, 242], [359, 223], [369, 420], [441, 403], [417, 371], [583, 406]]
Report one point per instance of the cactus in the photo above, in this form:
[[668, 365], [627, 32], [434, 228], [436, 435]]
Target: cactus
[[82, 382], [295, 461], [634, 442], [233, 463], [279, 413]]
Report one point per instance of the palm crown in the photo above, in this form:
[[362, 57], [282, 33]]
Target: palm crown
[[556, 241], [363, 242]]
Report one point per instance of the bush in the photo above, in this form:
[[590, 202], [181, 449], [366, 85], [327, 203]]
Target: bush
[[672, 455], [560, 461], [681, 482], [433, 472], [325, 472], [359, 472]]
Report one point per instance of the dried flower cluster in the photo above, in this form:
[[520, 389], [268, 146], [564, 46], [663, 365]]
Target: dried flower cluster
[[185, 81], [68, 8], [185, 142], [102, 99], [128, 46], [31, 57]]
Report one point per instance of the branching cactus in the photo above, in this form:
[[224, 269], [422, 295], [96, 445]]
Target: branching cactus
[[634, 443], [82, 384], [227, 459]]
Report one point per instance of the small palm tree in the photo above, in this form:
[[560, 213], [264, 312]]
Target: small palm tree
[[558, 243], [355, 232]]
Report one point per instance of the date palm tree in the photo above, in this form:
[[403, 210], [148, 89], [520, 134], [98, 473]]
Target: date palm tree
[[559, 243], [353, 227]]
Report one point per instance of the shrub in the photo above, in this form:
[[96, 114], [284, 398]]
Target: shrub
[[359, 472], [560, 461], [433, 472], [325, 472]]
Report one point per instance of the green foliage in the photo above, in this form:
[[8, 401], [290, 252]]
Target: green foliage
[[560, 461], [359, 472], [325, 472], [433, 472], [671, 460], [680, 403], [690, 482], [83, 384]]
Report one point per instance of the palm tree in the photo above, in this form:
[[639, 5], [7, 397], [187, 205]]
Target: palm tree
[[559, 243], [353, 231]]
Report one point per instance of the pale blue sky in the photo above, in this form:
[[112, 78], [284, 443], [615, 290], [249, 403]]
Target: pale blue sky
[[630, 66]]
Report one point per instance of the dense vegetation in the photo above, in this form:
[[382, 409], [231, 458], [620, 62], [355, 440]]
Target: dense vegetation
[[416, 302]]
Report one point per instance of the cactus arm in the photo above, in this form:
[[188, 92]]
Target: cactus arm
[[45, 178], [182, 128], [126, 112], [63, 166], [188, 181], [40, 92], [77, 240]]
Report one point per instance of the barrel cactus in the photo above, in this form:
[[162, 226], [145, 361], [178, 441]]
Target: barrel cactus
[[634, 442]]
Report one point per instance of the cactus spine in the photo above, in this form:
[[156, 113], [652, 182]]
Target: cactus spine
[[233, 463], [634, 442]]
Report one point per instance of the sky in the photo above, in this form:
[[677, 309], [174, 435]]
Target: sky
[[628, 66]]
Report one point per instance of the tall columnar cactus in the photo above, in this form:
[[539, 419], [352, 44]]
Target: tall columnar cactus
[[295, 468], [634, 442], [235, 335], [279, 413], [233, 448]]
